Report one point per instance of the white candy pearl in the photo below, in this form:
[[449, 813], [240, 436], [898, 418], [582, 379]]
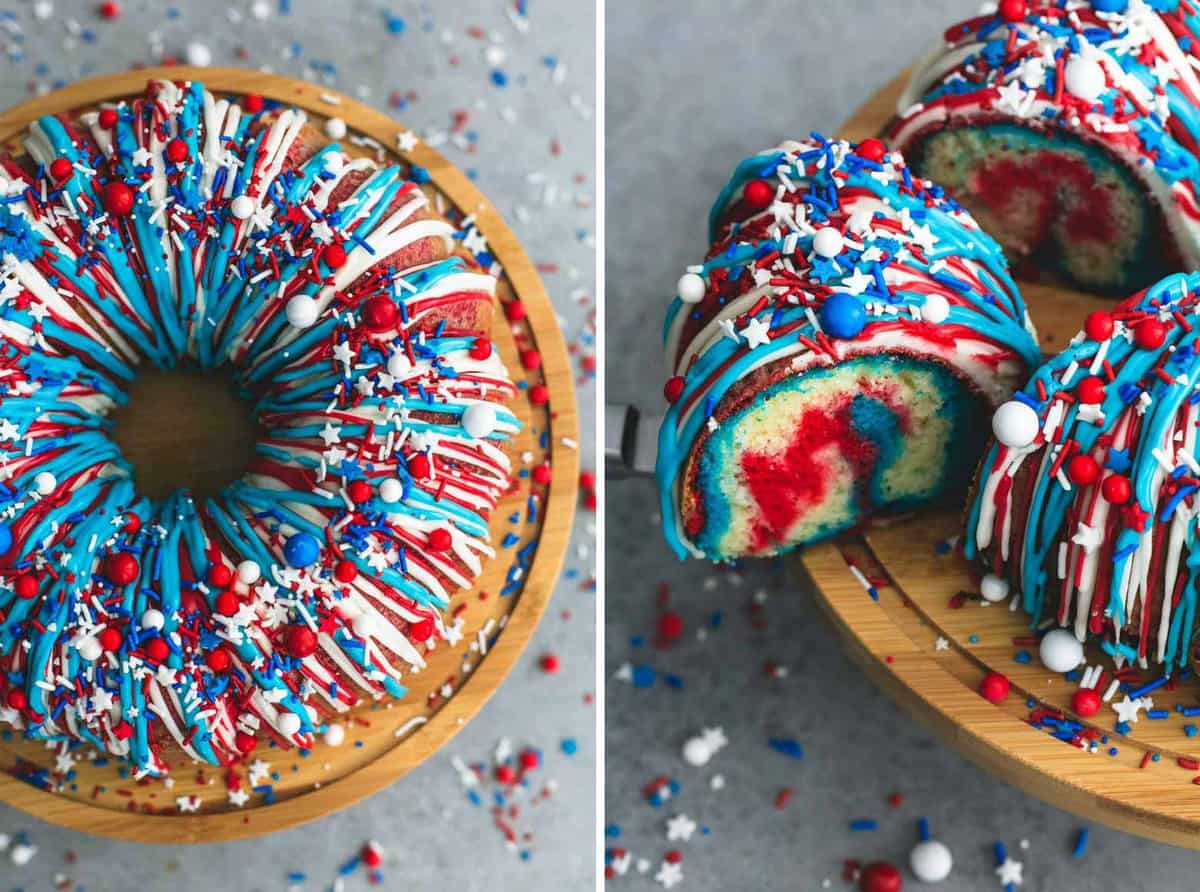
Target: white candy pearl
[[302, 311], [242, 207], [930, 861], [391, 491], [248, 572], [697, 752], [479, 420], [335, 128], [993, 588], [691, 288], [335, 735], [1060, 651], [44, 483], [1084, 78], [398, 365], [89, 648], [198, 54], [289, 724], [828, 242], [153, 619], [936, 309], [1015, 424]]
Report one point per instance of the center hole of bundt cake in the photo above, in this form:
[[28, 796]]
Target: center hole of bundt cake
[[185, 429]]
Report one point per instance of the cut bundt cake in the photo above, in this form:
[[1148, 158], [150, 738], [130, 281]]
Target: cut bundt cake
[[1070, 131], [182, 228], [1086, 502], [835, 356]]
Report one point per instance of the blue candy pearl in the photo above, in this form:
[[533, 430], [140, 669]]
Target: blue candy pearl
[[6, 538], [843, 316], [301, 549], [1110, 5]]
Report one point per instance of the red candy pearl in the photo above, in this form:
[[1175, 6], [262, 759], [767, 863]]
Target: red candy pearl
[[218, 660], [1150, 334], [439, 540], [758, 194], [110, 9], [122, 568], [227, 603], [673, 389], [419, 466], [505, 774], [587, 479], [334, 256], [177, 151], [539, 394], [359, 491], [514, 310], [345, 571], [1086, 702], [994, 687], [371, 856], [541, 474], [245, 743], [481, 349], [880, 877], [1082, 470], [530, 759], [118, 199], [421, 631], [872, 150], [379, 314], [530, 359], [219, 576], [16, 699], [253, 103], [1013, 10], [133, 523], [61, 169], [301, 641], [670, 626], [157, 649], [110, 639], [1116, 489], [26, 586], [549, 663], [1091, 391], [1098, 326], [108, 118]]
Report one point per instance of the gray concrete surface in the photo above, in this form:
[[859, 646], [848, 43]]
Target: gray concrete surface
[[434, 837], [693, 88]]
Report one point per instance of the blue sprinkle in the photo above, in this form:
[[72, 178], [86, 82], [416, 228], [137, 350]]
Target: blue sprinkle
[[787, 747]]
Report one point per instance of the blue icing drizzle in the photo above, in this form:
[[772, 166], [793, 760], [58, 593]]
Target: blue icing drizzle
[[188, 277], [1154, 384], [900, 216]]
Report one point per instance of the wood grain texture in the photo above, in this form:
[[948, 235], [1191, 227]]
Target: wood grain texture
[[383, 741], [895, 640]]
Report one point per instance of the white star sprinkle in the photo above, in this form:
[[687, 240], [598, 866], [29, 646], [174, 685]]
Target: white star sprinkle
[[757, 333], [239, 797], [669, 875], [1009, 872], [680, 827]]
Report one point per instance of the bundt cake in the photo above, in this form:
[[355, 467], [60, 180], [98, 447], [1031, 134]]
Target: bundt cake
[[185, 229], [1070, 130], [1086, 502], [837, 354]]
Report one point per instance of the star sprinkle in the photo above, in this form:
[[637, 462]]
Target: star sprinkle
[[680, 828], [1009, 872], [757, 333], [669, 874]]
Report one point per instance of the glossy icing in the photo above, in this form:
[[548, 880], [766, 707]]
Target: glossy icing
[[912, 272], [1127, 80], [1094, 521], [321, 575]]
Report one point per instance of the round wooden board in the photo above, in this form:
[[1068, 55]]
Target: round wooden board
[[930, 650], [383, 741]]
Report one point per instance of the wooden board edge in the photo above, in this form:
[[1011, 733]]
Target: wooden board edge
[[558, 509]]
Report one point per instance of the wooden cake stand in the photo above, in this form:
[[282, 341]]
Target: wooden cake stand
[[530, 531], [930, 649]]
